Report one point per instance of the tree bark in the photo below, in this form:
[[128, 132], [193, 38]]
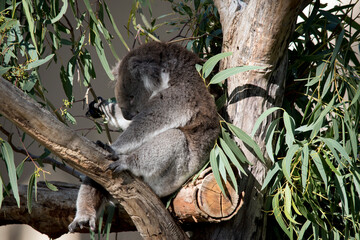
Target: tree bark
[[146, 210], [257, 33], [53, 211]]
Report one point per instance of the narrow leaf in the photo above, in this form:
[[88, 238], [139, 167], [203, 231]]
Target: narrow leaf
[[215, 170], [228, 168], [8, 156], [290, 129], [286, 163], [271, 173], [224, 74], [231, 155], [30, 190], [304, 165], [211, 62], [39, 62], [319, 165], [234, 148], [247, 139], [277, 214], [51, 186], [61, 13], [262, 118]]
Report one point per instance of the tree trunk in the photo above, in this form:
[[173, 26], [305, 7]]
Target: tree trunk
[[257, 33]]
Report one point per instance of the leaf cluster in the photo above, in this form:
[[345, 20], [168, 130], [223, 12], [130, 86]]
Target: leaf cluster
[[314, 184]]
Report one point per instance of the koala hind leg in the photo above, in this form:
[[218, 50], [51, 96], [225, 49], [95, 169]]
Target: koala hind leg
[[91, 198]]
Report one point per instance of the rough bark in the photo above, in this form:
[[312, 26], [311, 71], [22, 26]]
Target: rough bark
[[146, 210], [53, 211], [257, 33]]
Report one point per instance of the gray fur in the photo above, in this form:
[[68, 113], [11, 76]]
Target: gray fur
[[170, 119]]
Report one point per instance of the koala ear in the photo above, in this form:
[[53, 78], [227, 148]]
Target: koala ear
[[116, 69]]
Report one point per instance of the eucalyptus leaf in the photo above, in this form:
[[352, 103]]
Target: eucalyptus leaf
[[211, 62], [8, 156], [224, 74]]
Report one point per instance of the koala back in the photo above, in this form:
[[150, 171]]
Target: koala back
[[159, 89]]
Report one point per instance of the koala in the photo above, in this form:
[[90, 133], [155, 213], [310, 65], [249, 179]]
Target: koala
[[169, 122]]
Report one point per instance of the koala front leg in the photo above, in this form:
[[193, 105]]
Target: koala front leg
[[90, 198]]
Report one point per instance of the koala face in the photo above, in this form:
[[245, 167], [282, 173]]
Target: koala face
[[132, 95]]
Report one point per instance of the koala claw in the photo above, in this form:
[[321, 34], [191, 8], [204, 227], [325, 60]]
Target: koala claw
[[112, 155], [81, 221], [116, 167]]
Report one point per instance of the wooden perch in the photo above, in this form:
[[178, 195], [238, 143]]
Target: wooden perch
[[53, 211], [203, 201]]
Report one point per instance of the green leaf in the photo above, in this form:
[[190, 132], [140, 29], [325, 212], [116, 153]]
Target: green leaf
[[39, 62], [329, 163], [337, 46], [269, 139], [287, 205], [286, 163], [224, 74], [234, 148], [30, 190], [271, 173], [304, 165], [28, 14], [70, 118], [8, 156], [61, 13], [228, 168], [278, 215], [319, 165], [303, 229], [198, 67], [115, 27], [231, 155], [340, 186], [51, 186], [215, 170], [4, 70], [109, 218], [353, 139], [262, 118], [101, 54], [246, 139], [67, 83], [290, 129], [211, 62], [333, 146], [319, 121]]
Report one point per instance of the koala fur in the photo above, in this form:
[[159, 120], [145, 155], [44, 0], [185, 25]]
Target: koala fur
[[169, 120]]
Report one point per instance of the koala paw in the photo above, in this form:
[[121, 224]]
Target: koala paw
[[83, 221], [117, 166], [112, 155]]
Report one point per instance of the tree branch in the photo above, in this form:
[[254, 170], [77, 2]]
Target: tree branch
[[146, 210]]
